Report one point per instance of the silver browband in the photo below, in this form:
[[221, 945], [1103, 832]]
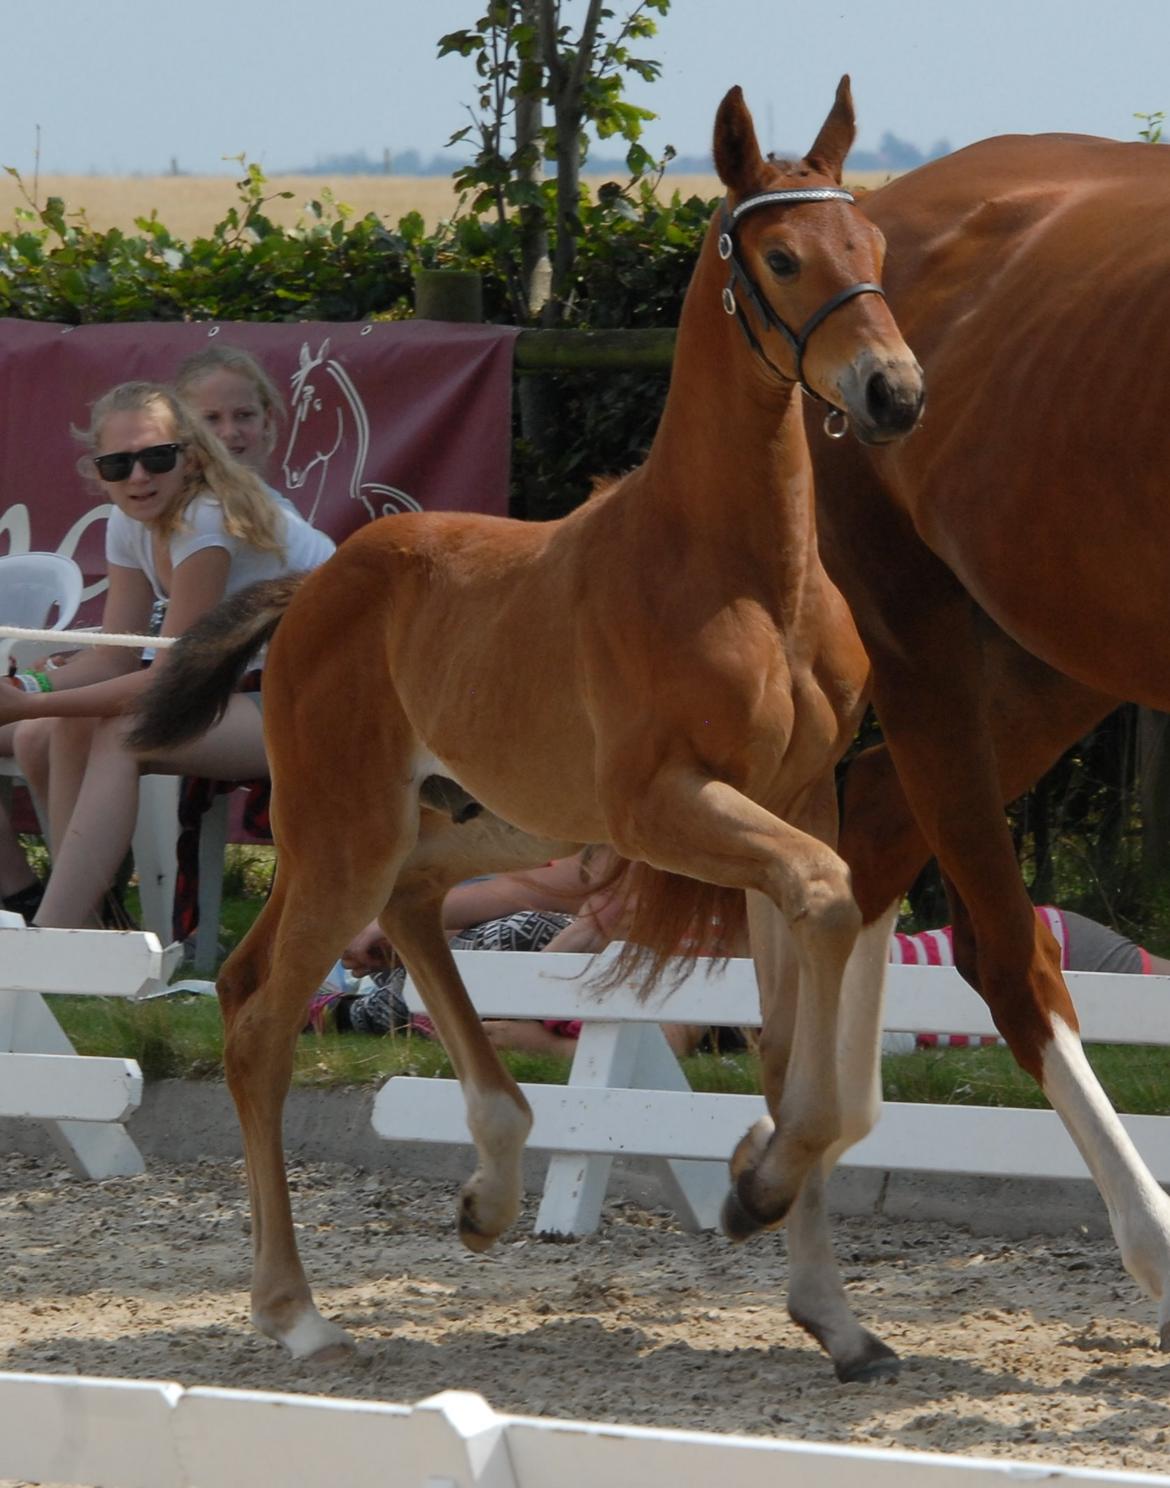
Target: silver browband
[[793, 194]]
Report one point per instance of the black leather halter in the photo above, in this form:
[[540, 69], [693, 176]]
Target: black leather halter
[[738, 277]]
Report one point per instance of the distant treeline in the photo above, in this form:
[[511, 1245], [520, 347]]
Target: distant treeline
[[892, 154]]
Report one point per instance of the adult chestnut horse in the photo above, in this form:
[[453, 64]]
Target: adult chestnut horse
[[1008, 566], [667, 670]]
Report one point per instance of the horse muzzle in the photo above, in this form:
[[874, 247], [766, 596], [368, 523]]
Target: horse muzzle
[[882, 397]]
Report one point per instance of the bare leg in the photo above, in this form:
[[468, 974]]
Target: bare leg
[[15, 872], [97, 830], [57, 752]]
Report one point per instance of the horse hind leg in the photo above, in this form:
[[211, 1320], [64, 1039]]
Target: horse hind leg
[[322, 895], [498, 1116]]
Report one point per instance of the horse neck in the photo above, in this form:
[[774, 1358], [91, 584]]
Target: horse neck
[[730, 456]]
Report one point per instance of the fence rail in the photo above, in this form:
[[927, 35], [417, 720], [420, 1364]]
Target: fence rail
[[154, 1434], [627, 1095]]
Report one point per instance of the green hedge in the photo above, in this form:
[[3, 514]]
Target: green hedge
[[635, 259]]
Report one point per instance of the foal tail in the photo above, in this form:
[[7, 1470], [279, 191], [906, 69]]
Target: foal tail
[[191, 693]]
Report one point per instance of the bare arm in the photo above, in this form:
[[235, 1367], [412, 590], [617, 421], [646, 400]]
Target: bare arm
[[104, 681], [562, 887]]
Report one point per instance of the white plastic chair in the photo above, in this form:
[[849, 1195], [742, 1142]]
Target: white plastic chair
[[32, 586]]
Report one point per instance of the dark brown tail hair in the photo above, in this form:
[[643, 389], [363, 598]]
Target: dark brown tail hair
[[191, 692]]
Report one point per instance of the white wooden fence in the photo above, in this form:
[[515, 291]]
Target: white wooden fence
[[84, 1100], [627, 1095], [150, 1434]]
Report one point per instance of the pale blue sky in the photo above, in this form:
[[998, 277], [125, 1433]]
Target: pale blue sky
[[120, 86]]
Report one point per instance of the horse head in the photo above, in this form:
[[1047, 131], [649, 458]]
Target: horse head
[[317, 424], [802, 267]]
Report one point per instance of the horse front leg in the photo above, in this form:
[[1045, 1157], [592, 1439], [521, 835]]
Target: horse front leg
[[817, 1301], [685, 822]]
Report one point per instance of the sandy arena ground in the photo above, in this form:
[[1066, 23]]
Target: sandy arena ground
[[1036, 1349]]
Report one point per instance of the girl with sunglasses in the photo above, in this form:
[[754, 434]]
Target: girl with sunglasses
[[190, 525]]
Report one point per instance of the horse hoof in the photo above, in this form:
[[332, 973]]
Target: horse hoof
[[314, 1340], [736, 1221], [338, 1352], [880, 1365], [470, 1233]]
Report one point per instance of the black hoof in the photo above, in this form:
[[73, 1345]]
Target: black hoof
[[470, 1233], [1164, 1338], [737, 1224], [878, 1366]]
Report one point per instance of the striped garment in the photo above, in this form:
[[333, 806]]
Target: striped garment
[[936, 948]]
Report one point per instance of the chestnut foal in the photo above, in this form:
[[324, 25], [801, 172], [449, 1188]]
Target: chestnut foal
[[667, 670]]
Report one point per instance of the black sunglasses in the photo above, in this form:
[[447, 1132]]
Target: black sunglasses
[[157, 459]]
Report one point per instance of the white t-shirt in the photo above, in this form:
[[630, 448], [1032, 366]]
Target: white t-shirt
[[128, 544]]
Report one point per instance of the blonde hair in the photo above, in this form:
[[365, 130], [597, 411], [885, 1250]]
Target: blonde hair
[[249, 512], [221, 358]]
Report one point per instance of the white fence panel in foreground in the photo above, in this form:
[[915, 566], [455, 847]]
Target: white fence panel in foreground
[[84, 1100], [148, 1434], [627, 1097]]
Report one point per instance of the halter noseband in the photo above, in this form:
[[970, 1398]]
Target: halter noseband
[[739, 276]]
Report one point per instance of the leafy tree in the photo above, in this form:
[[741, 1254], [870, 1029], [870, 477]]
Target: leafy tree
[[527, 58]]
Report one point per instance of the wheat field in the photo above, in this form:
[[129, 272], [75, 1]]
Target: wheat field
[[191, 205]]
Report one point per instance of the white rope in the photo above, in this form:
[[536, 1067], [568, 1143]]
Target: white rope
[[84, 638]]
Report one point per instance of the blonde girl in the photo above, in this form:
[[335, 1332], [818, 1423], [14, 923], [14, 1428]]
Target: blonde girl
[[190, 525]]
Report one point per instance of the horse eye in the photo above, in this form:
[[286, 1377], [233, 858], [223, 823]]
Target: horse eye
[[783, 265]]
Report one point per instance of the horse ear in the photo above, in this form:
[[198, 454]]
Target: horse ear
[[836, 137], [737, 152]]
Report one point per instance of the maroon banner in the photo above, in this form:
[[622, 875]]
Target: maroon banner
[[383, 417]]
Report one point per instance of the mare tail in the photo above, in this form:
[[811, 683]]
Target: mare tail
[[191, 692]]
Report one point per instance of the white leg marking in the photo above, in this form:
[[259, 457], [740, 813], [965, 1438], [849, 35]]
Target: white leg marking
[[310, 1334], [1139, 1210], [859, 1072]]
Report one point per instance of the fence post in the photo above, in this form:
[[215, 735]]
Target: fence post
[[448, 294]]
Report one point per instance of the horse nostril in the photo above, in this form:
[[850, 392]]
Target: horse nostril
[[879, 397], [892, 407]]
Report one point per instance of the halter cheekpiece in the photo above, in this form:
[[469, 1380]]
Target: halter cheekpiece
[[738, 277]]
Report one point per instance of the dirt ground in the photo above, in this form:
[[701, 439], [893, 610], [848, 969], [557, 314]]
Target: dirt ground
[[1034, 1349]]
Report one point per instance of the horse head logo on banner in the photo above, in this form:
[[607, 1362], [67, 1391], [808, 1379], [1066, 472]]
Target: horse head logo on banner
[[329, 421]]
